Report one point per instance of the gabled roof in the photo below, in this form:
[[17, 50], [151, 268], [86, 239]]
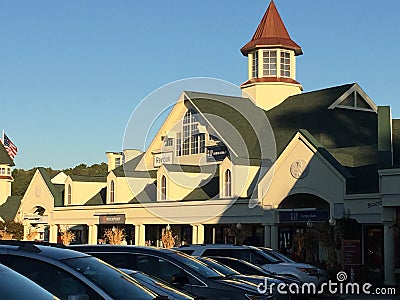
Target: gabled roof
[[5, 159], [238, 123], [333, 128], [55, 191], [9, 209], [271, 32]]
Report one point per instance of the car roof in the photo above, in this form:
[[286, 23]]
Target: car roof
[[124, 248], [53, 251], [211, 246]]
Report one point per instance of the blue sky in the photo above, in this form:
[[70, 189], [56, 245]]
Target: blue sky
[[72, 72]]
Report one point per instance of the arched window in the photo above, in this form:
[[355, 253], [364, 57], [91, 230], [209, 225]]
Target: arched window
[[228, 183], [69, 196], [112, 191], [163, 195]]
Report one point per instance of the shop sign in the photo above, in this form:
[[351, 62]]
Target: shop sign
[[217, 154], [162, 159], [36, 219], [112, 219], [303, 216]]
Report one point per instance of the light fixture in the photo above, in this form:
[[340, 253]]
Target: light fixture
[[239, 226], [332, 221], [168, 228], [309, 223]]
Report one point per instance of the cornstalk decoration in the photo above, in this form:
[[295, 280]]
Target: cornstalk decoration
[[114, 236]]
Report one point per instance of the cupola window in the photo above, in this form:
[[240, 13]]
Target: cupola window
[[269, 63], [285, 64], [254, 65]]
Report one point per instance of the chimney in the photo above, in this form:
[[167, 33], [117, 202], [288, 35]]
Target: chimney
[[385, 145]]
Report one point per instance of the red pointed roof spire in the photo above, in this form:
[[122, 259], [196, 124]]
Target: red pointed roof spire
[[271, 32]]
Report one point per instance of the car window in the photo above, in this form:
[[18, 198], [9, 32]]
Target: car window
[[50, 277], [243, 254], [114, 282], [162, 269]]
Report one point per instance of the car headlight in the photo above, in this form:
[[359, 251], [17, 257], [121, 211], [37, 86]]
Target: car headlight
[[259, 297]]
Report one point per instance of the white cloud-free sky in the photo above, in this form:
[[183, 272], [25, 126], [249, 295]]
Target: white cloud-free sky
[[72, 72]]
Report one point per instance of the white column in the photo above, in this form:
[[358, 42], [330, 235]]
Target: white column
[[200, 234], [267, 235], [194, 234], [140, 235], [388, 234], [92, 234], [274, 236], [53, 233]]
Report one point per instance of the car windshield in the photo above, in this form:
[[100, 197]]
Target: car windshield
[[277, 254], [119, 285], [197, 265], [219, 267]]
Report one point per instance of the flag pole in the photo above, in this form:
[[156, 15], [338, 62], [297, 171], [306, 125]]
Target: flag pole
[[2, 137]]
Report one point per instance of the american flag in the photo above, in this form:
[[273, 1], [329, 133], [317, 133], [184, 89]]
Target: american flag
[[12, 150]]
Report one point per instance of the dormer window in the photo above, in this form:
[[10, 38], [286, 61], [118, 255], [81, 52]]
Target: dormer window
[[228, 183], [69, 194], [112, 191], [269, 63], [163, 192]]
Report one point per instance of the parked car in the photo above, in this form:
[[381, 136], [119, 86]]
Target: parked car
[[179, 269], [70, 274], [322, 274], [231, 273], [160, 287], [254, 255], [17, 287], [246, 268]]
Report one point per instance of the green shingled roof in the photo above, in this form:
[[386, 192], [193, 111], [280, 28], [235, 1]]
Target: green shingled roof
[[99, 198], [83, 178], [205, 191], [239, 122], [9, 209], [333, 128], [128, 169], [5, 159]]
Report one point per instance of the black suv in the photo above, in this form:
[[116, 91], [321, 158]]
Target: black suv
[[70, 274], [175, 267]]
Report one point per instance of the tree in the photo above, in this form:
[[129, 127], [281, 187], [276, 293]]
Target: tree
[[10, 229]]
